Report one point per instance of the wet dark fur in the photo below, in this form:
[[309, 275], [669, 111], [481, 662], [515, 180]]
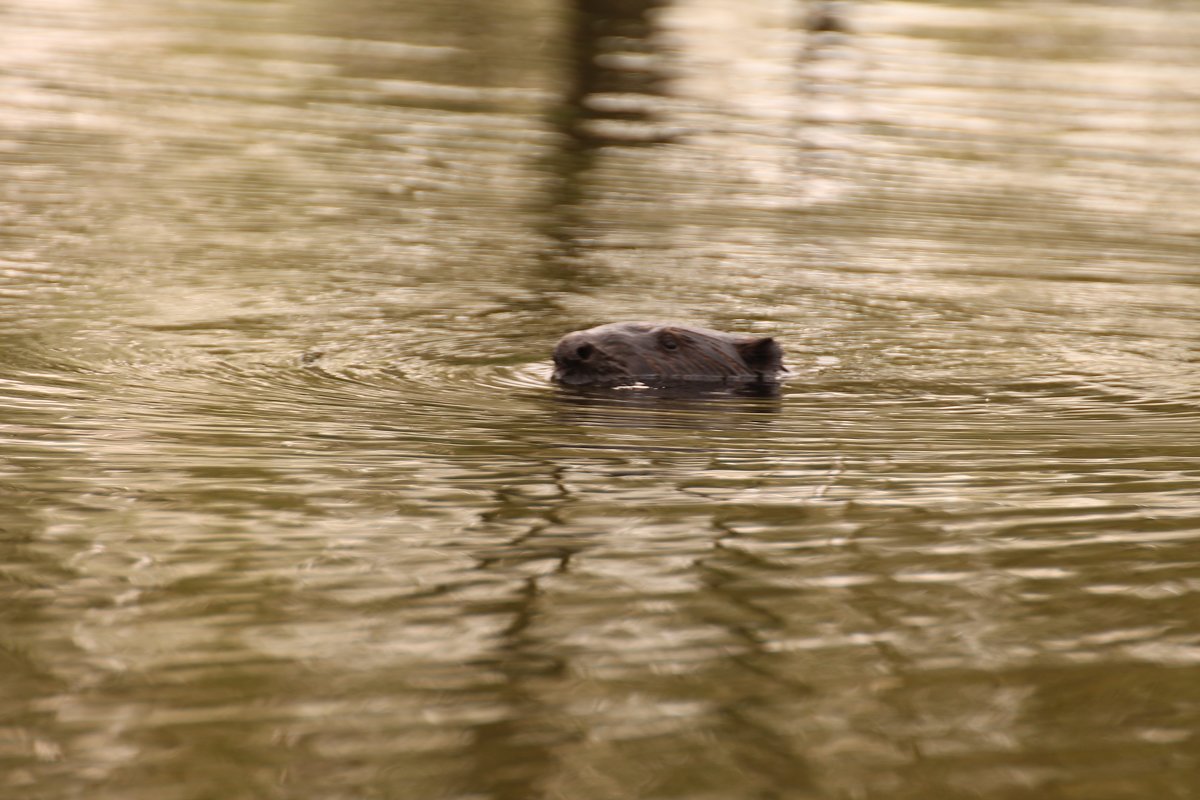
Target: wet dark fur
[[655, 352]]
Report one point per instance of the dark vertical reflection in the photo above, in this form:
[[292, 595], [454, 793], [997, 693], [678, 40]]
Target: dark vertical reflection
[[613, 84], [514, 756], [27, 577], [777, 761], [613, 55]]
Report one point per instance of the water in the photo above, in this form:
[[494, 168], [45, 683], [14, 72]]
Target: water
[[291, 510]]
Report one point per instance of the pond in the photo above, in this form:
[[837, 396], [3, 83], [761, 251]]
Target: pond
[[291, 509]]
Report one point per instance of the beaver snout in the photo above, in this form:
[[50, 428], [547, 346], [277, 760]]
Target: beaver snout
[[578, 360], [573, 350]]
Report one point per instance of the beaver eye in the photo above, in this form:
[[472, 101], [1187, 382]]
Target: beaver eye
[[669, 342], [584, 352]]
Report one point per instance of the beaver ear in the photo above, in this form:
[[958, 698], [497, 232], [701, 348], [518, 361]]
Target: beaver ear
[[761, 354]]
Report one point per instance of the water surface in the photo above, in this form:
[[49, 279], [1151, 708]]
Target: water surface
[[290, 508]]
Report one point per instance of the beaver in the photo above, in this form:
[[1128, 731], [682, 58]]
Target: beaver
[[658, 352]]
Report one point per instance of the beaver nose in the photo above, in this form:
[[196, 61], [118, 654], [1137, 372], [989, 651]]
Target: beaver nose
[[574, 351]]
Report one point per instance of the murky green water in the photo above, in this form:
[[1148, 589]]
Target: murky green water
[[289, 510]]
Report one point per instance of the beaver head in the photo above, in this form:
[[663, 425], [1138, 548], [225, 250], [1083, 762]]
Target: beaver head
[[629, 352]]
